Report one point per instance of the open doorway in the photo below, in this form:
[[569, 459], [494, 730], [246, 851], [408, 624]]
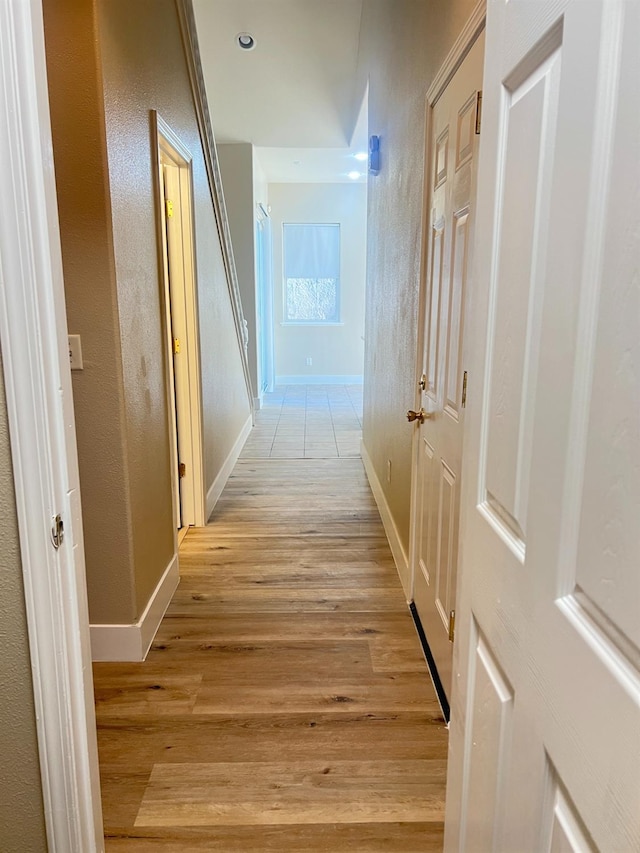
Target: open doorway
[[297, 219], [318, 201], [175, 240]]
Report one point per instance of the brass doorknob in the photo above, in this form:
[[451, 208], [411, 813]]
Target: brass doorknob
[[418, 416]]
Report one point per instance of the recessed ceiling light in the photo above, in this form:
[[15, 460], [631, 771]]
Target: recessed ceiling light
[[245, 41], [354, 175], [361, 156]]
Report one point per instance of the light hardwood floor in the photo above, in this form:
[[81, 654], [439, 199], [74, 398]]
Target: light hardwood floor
[[285, 704]]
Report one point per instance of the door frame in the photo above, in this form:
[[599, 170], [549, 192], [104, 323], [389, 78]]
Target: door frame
[[169, 148], [33, 338], [463, 44]]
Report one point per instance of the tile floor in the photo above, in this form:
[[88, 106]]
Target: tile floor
[[307, 422]]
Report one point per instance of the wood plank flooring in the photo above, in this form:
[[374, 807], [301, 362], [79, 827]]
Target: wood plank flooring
[[285, 704]]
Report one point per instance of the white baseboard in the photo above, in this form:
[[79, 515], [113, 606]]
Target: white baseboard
[[328, 379], [399, 554], [132, 642], [227, 467]]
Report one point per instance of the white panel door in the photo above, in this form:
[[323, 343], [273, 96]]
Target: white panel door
[[451, 177], [173, 416], [545, 729], [180, 378]]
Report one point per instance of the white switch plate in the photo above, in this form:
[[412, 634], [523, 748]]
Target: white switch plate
[[75, 352]]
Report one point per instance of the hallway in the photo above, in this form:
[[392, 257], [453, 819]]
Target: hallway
[[308, 421], [285, 704]]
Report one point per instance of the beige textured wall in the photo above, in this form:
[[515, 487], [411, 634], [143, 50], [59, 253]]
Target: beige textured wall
[[144, 68], [334, 350], [77, 119], [131, 44], [22, 827], [403, 43], [110, 62], [237, 170]]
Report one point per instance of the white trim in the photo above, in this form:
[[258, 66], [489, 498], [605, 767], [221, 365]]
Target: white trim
[[223, 474], [397, 549], [162, 128], [328, 379], [132, 642], [463, 44], [257, 403], [33, 338]]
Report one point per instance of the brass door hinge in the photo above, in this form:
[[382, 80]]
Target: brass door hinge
[[478, 111], [169, 204], [182, 470], [464, 389], [176, 346], [452, 624], [57, 532]]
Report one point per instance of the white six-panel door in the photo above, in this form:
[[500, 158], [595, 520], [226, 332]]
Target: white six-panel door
[[545, 733], [451, 177]]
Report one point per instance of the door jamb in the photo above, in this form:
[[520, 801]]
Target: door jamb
[[168, 144], [463, 44], [33, 338]]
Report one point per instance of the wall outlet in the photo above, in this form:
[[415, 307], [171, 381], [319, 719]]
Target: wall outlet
[[388, 470], [75, 352], [309, 361]]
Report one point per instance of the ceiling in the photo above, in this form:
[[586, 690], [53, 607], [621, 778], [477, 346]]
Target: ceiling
[[294, 95]]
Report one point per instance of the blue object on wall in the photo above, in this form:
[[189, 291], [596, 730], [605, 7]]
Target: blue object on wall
[[374, 155]]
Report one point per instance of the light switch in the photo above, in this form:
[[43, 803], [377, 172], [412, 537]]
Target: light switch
[[75, 352]]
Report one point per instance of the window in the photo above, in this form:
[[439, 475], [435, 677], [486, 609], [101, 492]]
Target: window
[[311, 273]]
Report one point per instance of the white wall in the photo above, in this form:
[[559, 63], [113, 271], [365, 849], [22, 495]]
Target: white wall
[[264, 274], [337, 352], [245, 186], [260, 183], [237, 170]]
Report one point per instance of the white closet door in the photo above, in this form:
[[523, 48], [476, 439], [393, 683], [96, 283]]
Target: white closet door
[[545, 735]]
